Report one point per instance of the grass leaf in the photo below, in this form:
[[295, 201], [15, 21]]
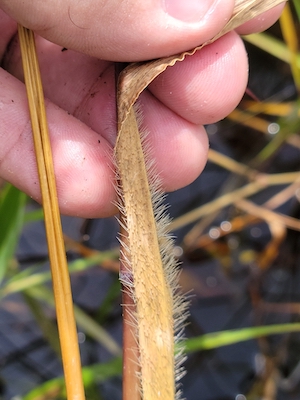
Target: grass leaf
[[12, 209], [225, 338], [55, 388]]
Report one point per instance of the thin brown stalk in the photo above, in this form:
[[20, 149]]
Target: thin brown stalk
[[270, 252], [284, 195], [241, 221], [290, 36], [267, 215], [59, 267], [131, 367], [231, 165], [263, 181], [247, 119]]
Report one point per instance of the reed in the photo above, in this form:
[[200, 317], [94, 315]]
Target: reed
[[58, 262]]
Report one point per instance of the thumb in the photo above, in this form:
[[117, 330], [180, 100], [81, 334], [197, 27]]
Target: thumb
[[123, 30]]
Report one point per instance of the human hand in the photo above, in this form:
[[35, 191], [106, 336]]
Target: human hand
[[80, 87]]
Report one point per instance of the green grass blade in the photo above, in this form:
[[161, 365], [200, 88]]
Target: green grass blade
[[12, 205], [29, 278], [272, 46], [55, 388], [217, 339], [34, 215], [288, 126], [47, 326], [297, 8], [84, 321], [290, 35]]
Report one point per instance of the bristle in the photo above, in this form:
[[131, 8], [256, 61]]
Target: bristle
[[166, 248], [170, 262]]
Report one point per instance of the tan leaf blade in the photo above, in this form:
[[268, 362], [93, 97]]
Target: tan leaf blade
[[142, 257]]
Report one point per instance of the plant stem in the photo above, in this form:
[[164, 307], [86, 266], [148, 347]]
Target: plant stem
[[58, 262]]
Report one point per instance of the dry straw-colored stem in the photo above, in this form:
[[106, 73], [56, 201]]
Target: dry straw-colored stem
[[59, 267]]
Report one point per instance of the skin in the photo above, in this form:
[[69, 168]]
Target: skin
[[79, 85]]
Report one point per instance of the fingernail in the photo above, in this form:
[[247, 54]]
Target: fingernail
[[188, 10]]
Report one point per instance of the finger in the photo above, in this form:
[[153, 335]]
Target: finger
[[83, 158], [178, 147], [126, 30], [262, 22], [207, 86], [87, 92], [203, 88], [83, 86], [8, 29]]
